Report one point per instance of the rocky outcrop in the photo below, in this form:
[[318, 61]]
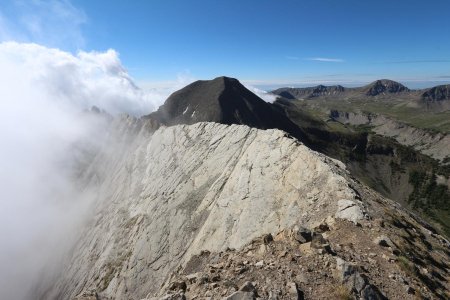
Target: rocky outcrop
[[435, 145], [350, 266]]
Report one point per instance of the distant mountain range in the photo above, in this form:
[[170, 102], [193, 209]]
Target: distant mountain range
[[381, 88]]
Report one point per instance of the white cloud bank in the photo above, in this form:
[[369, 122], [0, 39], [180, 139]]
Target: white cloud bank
[[266, 96], [79, 81], [42, 92]]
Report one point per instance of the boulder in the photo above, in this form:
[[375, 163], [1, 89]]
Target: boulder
[[178, 286], [383, 241], [319, 243], [356, 282], [301, 234], [349, 210]]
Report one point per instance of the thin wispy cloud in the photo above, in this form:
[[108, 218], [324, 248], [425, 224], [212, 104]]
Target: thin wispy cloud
[[326, 59], [419, 61], [55, 23]]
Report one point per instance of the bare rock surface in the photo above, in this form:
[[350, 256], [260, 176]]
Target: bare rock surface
[[169, 199], [348, 209], [167, 195]]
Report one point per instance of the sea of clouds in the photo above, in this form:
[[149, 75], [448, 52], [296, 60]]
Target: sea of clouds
[[43, 92]]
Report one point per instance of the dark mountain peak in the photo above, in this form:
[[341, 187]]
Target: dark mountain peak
[[207, 100], [437, 93], [225, 80], [384, 86], [222, 100]]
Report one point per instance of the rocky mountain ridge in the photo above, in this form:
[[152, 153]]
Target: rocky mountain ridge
[[437, 93], [384, 86], [170, 194], [437, 98], [165, 196], [376, 88]]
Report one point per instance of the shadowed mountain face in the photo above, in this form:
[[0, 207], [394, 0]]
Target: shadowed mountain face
[[222, 100], [384, 86], [437, 93], [437, 99]]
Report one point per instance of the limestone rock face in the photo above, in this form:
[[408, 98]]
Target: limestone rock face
[[165, 196]]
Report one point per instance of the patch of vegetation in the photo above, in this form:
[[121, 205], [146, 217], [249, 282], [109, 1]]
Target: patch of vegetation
[[427, 193], [406, 265], [397, 109], [396, 167], [364, 128], [431, 198], [343, 293]]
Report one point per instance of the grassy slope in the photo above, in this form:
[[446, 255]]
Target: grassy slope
[[398, 109]]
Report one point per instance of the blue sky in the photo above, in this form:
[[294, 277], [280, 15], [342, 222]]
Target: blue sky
[[263, 42]]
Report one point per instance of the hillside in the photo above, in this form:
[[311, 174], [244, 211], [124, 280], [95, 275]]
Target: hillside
[[383, 87], [437, 98], [384, 154], [311, 92]]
